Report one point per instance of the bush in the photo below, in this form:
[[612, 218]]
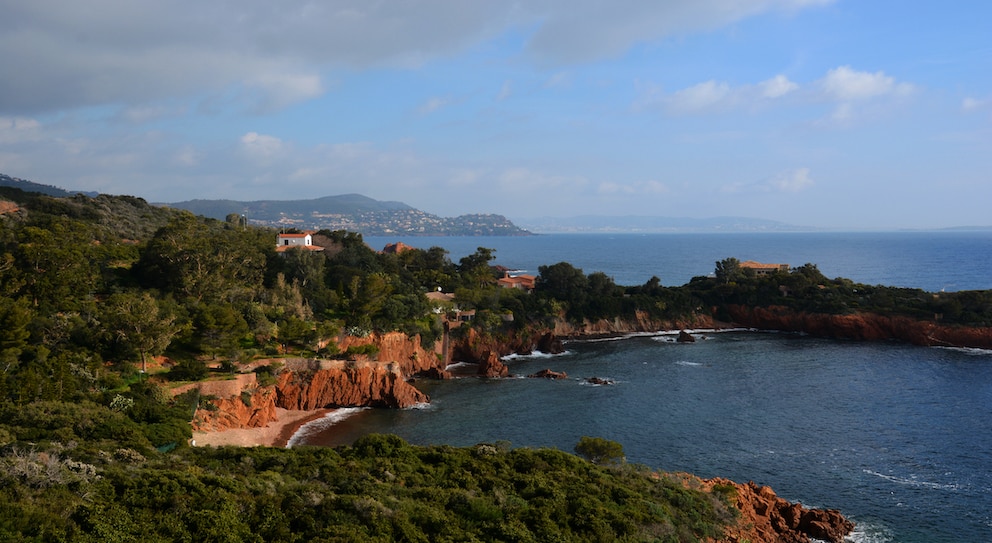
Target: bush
[[189, 370]]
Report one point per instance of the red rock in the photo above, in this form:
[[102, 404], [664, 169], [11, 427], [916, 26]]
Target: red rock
[[861, 326], [548, 374], [492, 366], [335, 383], [766, 517]]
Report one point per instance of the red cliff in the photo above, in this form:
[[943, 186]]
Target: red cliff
[[765, 517], [398, 348], [861, 326], [308, 385], [252, 409]]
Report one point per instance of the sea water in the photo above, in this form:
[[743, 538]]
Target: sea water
[[897, 437]]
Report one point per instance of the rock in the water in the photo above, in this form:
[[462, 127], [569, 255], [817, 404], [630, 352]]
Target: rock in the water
[[548, 374], [492, 366]]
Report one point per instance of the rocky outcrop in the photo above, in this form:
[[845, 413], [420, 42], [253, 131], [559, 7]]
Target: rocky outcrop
[[861, 326], [685, 337], [315, 384], [249, 408], [378, 380], [491, 366], [471, 346], [548, 374], [766, 517], [398, 348]]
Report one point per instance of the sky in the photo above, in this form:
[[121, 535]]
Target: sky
[[859, 114]]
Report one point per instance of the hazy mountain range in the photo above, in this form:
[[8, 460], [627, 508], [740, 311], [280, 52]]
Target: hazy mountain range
[[372, 217]]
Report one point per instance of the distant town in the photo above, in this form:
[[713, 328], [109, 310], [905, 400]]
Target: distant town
[[405, 222]]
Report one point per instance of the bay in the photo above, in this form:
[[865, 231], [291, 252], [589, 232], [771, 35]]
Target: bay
[[898, 437]]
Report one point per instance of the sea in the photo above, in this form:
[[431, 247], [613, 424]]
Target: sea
[[897, 437]]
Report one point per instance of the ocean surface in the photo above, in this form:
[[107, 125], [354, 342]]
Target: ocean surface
[[897, 437]]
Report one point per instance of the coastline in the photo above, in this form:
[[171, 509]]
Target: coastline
[[276, 434]]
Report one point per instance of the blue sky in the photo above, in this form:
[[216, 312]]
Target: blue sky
[[825, 113]]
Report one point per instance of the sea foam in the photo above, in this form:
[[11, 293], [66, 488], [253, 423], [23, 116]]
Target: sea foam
[[319, 425]]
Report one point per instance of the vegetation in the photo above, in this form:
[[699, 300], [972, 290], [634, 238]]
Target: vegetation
[[93, 443], [379, 489]]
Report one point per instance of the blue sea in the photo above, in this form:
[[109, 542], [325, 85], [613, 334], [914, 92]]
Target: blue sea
[[897, 437]]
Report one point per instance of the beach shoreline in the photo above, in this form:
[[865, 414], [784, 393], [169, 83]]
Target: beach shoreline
[[276, 434]]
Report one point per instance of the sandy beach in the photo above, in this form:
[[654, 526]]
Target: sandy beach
[[276, 434]]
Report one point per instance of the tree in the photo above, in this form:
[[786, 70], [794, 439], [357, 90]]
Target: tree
[[475, 269], [134, 325], [565, 283], [728, 270], [599, 450]]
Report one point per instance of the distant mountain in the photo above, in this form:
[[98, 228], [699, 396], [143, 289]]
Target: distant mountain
[[30, 186], [274, 210], [355, 213], [649, 224]]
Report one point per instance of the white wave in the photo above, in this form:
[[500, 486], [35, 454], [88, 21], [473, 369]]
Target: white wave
[[534, 355], [456, 365], [421, 406], [913, 481], [973, 351], [687, 363], [866, 532], [608, 381], [321, 424]]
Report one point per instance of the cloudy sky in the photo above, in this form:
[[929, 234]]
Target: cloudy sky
[[828, 113]]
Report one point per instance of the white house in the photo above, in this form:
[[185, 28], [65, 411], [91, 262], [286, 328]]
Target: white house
[[303, 241]]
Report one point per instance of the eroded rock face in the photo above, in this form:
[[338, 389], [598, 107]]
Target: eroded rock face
[[308, 385], [767, 517], [398, 348], [248, 409]]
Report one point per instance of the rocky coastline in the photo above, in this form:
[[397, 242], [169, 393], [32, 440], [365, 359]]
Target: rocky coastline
[[384, 380]]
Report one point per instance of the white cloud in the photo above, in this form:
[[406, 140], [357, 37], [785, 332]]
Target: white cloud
[[847, 85], [843, 86], [68, 54], [279, 90], [777, 87], [700, 97], [261, 146], [714, 96], [794, 181], [580, 30]]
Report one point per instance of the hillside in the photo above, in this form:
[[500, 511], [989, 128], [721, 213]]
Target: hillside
[[30, 186], [355, 213]]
